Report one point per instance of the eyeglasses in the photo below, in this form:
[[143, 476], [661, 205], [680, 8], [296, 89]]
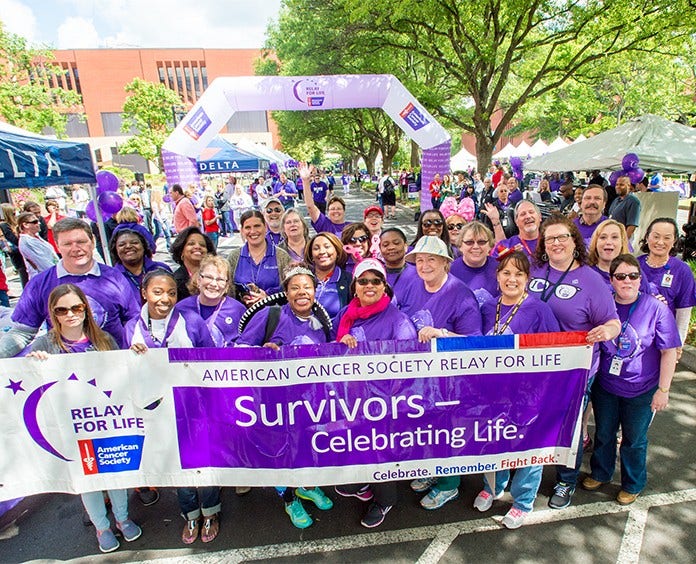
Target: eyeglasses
[[274, 210], [370, 281], [208, 278], [453, 226], [472, 242], [557, 239], [431, 222], [33, 221], [629, 275], [360, 239], [76, 310]]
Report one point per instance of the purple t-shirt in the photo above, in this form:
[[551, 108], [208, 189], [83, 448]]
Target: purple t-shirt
[[265, 274], [273, 239], [587, 230], [533, 316], [452, 307], [324, 225], [679, 291], [135, 281], [388, 325], [289, 188], [651, 329], [515, 196], [319, 191], [399, 281], [527, 246], [183, 329], [290, 330], [580, 302], [223, 321], [108, 294], [481, 280]]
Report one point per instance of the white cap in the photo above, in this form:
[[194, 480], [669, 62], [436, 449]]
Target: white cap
[[369, 264]]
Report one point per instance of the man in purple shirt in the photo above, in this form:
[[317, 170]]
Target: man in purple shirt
[[514, 195], [286, 191], [272, 211], [319, 189], [528, 219], [106, 288], [594, 199], [335, 220]]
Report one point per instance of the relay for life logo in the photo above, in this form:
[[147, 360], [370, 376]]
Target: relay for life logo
[[197, 124], [89, 424], [414, 117], [309, 92]]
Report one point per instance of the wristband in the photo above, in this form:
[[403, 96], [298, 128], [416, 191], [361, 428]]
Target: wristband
[[495, 224], [663, 390]]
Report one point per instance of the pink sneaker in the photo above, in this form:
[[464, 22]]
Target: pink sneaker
[[484, 500], [515, 518]]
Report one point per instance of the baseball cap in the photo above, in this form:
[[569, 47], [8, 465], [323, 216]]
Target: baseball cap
[[371, 209], [369, 264]]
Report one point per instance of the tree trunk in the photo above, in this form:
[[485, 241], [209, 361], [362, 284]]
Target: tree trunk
[[484, 152]]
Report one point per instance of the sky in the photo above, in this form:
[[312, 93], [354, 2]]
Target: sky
[[90, 24]]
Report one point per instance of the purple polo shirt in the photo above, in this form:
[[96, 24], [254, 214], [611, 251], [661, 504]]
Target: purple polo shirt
[[319, 191], [452, 307], [106, 289], [324, 225], [580, 303], [290, 330], [327, 293], [482, 280], [650, 330], [265, 274], [587, 230], [533, 316], [222, 321], [388, 325], [680, 292]]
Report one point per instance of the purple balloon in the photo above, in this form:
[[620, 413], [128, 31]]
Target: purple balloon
[[110, 202], [89, 211], [636, 175], [630, 162], [515, 162], [615, 176], [106, 182], [166, 198]]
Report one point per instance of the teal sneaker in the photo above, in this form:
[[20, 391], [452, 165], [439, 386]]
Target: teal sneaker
[[299, 517], [316, 496], [107, 540]]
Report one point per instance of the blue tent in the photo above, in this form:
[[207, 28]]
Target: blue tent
[[28, 160], [221, 157]]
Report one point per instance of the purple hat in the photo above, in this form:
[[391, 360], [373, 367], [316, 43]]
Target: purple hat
[[140, 230]]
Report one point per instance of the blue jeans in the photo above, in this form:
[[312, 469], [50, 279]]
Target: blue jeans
[[524, 487], [226, 223], [634, 416], [193, 501], [214, 236], [161, 230], [96, 508], [570, 475], [4, 298]]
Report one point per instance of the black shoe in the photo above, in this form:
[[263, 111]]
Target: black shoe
[[562, 496], [148, 496], [375, 515]]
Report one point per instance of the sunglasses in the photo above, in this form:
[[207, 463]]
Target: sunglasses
[[76, 310], [453, 226], [370, 281], [431, 222], [472, 242], [34, 221], [360, 239], [274, 210], [629, 275]]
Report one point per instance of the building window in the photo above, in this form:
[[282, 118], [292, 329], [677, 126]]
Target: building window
[[111, 122], [179, 79], [74, 127], [248, 122], [160, 72], [76, 76], [170, 76], [187, 77], [196, 80], [204, 75]]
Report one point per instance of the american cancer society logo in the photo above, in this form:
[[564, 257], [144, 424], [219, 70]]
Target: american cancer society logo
[[112, 454], [197, 124], [413, 116]]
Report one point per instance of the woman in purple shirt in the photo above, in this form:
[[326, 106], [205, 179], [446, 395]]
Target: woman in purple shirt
[[295, 234], [581, 302], [325, 255], [476, 268], [371, 316], [633, 382], [300, 321]]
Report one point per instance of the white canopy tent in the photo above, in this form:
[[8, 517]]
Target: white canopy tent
[[522, 150], [463, 160], [579, 138], [659, 143], [557, 144], [539, 148], [506, 152]]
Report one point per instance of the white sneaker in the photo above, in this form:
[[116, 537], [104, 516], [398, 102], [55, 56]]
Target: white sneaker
[[423, 484], [437, 498], [514, 518], [484, 500]]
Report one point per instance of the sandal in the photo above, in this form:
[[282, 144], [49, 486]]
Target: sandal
[[190, 533], [211, 528]]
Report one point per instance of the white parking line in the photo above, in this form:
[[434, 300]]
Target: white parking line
[[444, 535]]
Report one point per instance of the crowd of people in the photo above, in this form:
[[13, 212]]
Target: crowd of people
[[484, 262]]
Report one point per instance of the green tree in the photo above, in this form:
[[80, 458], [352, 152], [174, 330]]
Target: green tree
[[27, 97], [498, 55], [148, 113]]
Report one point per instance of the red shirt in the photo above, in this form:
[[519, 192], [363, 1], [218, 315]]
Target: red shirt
[[208, 214]]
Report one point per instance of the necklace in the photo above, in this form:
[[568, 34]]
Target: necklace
[[653, 264]]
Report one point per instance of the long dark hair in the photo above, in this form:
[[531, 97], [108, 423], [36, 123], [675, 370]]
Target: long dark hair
[[445, 232], [644, 241]]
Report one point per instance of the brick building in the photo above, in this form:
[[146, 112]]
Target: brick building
[[100, 76]]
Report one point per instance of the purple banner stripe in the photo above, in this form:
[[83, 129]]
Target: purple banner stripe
[[376, 421], [296, 351]]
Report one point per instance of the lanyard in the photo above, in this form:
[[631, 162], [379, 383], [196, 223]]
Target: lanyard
[[500, 330], [146, 329], [545, 294], [526, 247], [210, 322], [624, 325]]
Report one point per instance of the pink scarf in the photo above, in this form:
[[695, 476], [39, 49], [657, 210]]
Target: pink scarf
[[355, 311]]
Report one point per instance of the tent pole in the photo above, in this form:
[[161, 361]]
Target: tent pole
[[100, 224]]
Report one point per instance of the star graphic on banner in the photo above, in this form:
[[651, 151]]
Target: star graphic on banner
[[15, 387]]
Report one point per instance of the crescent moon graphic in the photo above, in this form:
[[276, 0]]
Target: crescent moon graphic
[[294, 91], [30, 420]]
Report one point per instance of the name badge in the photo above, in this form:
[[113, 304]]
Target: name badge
[[616, 364], [667, 280]]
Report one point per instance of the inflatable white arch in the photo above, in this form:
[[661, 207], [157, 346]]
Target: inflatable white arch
[[225, 96]]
